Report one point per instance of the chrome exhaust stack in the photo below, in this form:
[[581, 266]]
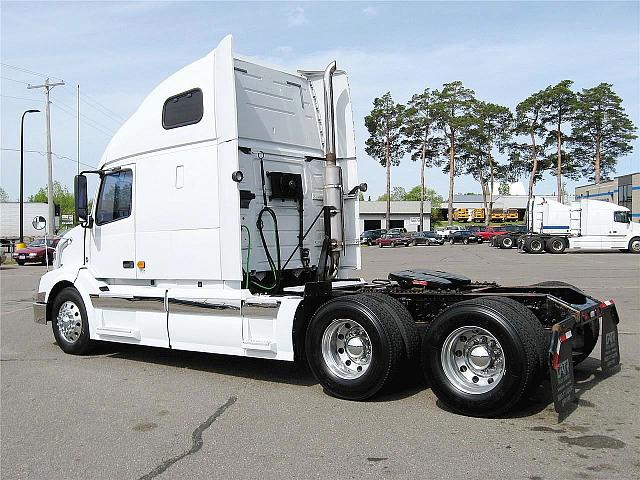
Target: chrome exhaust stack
[[332, 174]]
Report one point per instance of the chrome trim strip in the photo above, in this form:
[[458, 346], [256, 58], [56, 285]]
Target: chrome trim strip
[[252, 308], [205, 306], [130, 302], [40, 312]]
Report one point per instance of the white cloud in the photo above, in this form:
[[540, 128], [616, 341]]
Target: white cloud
[[296, 17], [370, 11]]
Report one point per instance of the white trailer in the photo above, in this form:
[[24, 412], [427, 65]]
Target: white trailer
[[581, 225], [10, 219], [226, 221]]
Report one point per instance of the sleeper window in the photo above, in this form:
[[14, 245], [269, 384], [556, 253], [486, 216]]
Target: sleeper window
[[183, 109], [114, 201]]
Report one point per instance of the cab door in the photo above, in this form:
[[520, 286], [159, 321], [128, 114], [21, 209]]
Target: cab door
[[112, 243]]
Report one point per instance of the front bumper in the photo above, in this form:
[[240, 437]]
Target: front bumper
[[39, 308]]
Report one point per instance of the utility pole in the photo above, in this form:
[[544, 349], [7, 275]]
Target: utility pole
[[47, 88], [78, 118]]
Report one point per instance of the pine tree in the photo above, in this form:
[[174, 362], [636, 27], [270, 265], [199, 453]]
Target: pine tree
[[420, 140], [452, 109], [384, 124], [601, 131]]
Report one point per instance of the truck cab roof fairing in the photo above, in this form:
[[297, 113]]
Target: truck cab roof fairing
[[143, 132]]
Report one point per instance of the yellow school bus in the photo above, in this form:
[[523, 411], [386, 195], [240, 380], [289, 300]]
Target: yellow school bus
[[512, 215], [478, 214], [497, 215], [461, 215]]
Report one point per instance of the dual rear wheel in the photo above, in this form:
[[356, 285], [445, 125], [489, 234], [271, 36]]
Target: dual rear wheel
[[481, 356]]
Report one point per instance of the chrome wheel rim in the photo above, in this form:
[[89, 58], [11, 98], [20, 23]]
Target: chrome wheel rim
[[635, 245], [69, 321], [472, 360], [346, 349], [507, 242], [536, 245]]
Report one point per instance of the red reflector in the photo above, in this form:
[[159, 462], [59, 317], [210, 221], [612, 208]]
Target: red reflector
[[420, 282]]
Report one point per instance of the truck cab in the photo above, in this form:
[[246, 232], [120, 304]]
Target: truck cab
[[230, 161]]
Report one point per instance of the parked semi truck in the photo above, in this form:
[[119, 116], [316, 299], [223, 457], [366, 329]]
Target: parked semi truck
[[581, 225], [255, 169]]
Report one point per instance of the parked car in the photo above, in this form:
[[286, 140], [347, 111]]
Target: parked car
[[489, 232], [426, 238], [464, 236], [475, 228], [34, 252], [393, 239], [446, 231], [370, 237], [401, 230]]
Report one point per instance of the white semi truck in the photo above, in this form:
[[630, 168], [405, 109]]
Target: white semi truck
[[581, 225], [225, 221]]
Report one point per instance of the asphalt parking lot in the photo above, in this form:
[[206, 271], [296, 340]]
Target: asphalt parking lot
[[127, 412]]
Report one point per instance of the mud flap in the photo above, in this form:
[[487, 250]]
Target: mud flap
[[563, 386], [609, 348]]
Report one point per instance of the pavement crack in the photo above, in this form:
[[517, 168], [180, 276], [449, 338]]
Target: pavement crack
[[196, 439]]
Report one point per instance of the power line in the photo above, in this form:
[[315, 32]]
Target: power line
[[41, 153], [13, 80], [89, 99], [90, 122], [31, 72], [20, 98]]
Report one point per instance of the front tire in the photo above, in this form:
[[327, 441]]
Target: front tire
[[634, 245], [354, 347], [69, 322], [465, 241], [481, 356]]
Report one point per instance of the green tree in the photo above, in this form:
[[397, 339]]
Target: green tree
[[559, 103], [429, 194], [61, 196], [504, 189], [397, 195], [529, 157], [420, 141], [4, 196], [601, 131], [452, 112], [491, 129], [384, 124]]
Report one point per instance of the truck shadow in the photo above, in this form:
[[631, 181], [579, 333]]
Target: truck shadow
[[587, 375], [294, 373]]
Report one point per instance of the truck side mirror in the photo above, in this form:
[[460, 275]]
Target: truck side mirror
[[80, 194]]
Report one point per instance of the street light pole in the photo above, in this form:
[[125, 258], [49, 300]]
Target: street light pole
[[22, 172]]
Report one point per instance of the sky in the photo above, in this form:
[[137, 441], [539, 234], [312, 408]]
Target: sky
[[119, 51]]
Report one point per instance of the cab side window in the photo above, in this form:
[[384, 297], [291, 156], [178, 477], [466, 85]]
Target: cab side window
[[621, 217], [114, 200]]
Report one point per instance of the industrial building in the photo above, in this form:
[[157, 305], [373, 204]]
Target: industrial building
[[403, 214], [623, 190]]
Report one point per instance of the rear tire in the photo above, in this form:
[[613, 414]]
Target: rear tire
[[488, 377], [506, 242], [555, 245], [451, 241], [406, 325], [20, 263], [534, 244], [69, 322], [354, 347]]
